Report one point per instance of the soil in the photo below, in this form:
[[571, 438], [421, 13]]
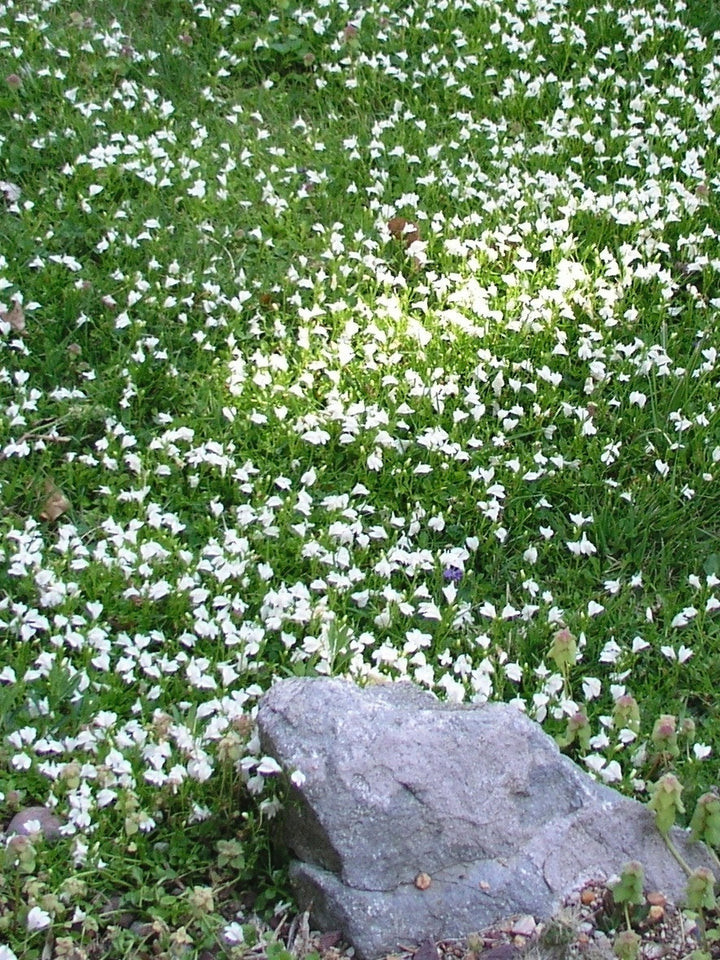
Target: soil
[[585, 928]]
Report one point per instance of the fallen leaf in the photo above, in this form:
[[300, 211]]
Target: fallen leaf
[[330, 939], [56, 503], [504, 951], [15, 316], [426, 951], [299, 941], [656, 913], [402, 229], [656, 899], [423, 881]]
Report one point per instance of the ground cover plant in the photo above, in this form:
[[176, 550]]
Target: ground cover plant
[[377, 340]]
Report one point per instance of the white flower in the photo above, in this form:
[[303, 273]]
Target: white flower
[[297, 778], [592, 688], [315, 437], [611, 773], [595, 761], [429, 611], [513, 671], [582, 547], [233, 933], [268, 766], [450, 593], [198, 189], [12, 194], [600, 741], [38, 919], [684, 617], [610, 652]]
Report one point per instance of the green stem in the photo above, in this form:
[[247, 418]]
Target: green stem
[[676, 853], [713, 856]]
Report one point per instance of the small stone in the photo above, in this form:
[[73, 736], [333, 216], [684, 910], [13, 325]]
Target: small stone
[[587, 897], [35, 819], [654, 951], [523, 926], [656, 899], [422, 881]]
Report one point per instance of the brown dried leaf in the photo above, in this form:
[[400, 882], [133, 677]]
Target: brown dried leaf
[[55, 505], [330, 939], [656, 913], [426, 951], [402, 229], [15, 316], [656, 899], [503, 951]]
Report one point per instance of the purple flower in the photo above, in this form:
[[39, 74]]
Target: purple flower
[[454, 574]]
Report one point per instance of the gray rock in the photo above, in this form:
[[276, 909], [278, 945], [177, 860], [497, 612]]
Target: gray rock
[[426, 820], [22, 821]]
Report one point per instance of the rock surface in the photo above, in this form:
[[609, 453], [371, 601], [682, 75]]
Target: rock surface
[[35, 819], [426, 820]]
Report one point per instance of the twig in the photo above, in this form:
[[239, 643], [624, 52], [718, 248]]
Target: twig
[[45, 437]]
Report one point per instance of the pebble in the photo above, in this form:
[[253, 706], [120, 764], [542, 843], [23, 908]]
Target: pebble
[[32, 816]]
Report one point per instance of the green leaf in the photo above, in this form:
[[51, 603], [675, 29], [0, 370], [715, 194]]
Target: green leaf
[[700, 892], [563, 649], [626, 945], [664, 735], [665, 801], [629, 888], [705, 823]]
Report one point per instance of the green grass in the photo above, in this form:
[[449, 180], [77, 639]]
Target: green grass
[[247, 432]]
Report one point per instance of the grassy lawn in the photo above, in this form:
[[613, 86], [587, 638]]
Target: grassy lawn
[[372, 340]]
